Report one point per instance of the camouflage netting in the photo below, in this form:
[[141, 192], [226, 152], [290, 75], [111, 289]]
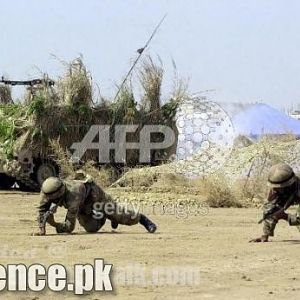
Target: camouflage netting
[[66, 111]]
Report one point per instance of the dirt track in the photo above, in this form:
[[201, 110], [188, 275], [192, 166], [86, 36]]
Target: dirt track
[[216, 243]]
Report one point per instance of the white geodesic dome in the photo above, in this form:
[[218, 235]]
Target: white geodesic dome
[[205, 137]]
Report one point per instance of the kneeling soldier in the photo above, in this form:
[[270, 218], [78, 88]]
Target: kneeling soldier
[[284, 192], [87, 202]]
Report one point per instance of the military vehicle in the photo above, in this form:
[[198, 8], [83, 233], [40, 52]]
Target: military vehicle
[[21, 154], [64, 112]]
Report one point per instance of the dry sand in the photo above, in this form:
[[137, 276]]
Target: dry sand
[[216, 243]]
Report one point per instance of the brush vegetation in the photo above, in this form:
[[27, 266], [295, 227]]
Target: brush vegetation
[[50, 119]]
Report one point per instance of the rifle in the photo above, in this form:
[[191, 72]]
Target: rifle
[[277, 209], [271, 212]]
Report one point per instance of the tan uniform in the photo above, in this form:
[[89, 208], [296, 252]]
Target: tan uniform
[[280, 199], [88, 203]]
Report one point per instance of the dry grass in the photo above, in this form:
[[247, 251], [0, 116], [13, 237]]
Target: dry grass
[[151, 76], [124, 109], [103, 176], [217, 188], [61, 115], [63, 159], [218, 191], [75, 88], [242, 141], [214, 187], [277, 138], [180, 87], [5, 94], [136, 178]]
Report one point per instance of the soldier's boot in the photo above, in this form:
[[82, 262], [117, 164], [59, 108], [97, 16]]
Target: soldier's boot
[[148, 224], [114, 224]]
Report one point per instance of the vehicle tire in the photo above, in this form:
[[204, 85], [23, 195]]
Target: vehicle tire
[[44, 169]]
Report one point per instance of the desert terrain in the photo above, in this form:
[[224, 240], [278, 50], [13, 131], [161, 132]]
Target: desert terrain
[[214, 242]]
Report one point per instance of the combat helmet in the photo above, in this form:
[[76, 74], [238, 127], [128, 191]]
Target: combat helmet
[[53, 188], [281, 175]]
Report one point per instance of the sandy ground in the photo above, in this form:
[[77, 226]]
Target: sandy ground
[[214, 243]]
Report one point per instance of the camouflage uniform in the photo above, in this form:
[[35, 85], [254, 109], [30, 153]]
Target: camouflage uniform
[[277, 198], [79, 199]]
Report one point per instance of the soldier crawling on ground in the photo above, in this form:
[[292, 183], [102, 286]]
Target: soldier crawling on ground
[[285, 191], [87, 202]]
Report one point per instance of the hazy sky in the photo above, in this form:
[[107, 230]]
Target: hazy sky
[[248, 50]]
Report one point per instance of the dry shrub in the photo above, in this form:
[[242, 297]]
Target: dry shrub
[[63, 159], [252, 192], [215, 188], [180, 87], [137, 177], [75, 88], [179, 94], [248, 167], [170, 181], [151, 76], [242, 141], [277, 138], [44, 92], [218, 191], [124, 108], [103, 176]]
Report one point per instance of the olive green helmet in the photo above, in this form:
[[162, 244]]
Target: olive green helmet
[[281, 175], [53, 188]]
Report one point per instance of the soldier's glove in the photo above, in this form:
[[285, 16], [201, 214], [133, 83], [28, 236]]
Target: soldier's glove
[[262, 239]]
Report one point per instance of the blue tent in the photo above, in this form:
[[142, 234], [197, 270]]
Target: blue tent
[[260, 119]]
